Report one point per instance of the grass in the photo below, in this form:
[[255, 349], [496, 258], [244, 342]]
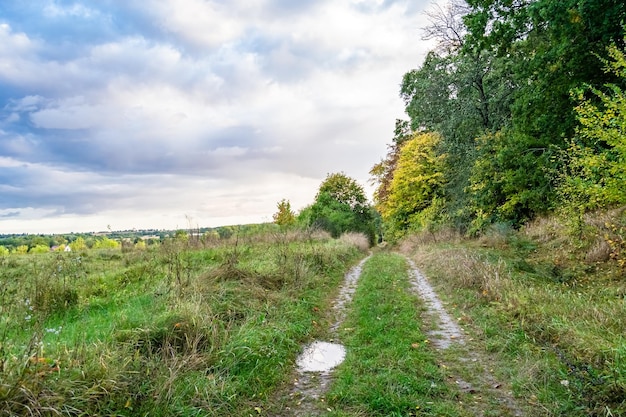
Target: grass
[[389, 370], [549, 305], [176, 330]]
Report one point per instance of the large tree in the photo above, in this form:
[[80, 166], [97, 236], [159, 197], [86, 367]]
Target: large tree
[[416, 189], [341, 206]]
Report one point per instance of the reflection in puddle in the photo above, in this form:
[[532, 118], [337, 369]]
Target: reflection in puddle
[[321, 357]]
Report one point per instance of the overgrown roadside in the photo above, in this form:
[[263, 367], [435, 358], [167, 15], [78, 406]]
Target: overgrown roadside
[[552, 328], [465, 364], [175, 330]]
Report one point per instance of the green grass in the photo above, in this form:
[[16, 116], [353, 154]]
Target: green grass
[[553, 319], [389, 370], [175, 330]]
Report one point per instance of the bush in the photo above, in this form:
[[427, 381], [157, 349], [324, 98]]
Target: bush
[[39, 249]]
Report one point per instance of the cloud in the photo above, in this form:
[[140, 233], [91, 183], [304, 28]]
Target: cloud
[[153, 109]]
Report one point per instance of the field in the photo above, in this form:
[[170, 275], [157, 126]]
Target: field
[[214, 329], [174, 330]]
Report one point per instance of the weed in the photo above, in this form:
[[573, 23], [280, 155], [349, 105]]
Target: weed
[[357, 239], [180, 330], [533, 295]]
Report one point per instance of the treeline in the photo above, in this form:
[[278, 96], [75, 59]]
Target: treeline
[[39, 243], [519, 111]]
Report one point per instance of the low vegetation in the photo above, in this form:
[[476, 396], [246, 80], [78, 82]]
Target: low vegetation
[[548, 303], [174, 329], [390, 369]]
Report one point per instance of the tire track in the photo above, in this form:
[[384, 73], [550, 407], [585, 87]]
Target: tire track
[[446, 334], [314, 369]]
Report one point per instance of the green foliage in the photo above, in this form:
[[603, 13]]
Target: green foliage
[[106, 243], [341, 206], [4, 251], [594, 173], [417, 182], [603, 131], [284, 217], [506, 184], [497, 89], [21, 250], [78, 244], [39, 249]]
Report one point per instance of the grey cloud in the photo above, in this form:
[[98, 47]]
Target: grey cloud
[[10, 214]]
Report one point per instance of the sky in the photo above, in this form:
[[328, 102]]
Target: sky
[[168, 114]]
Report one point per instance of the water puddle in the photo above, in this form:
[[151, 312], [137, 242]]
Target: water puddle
[[321, 357], [448, 331]]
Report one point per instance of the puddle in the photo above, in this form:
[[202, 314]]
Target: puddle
[[448, 331], [321, 357]]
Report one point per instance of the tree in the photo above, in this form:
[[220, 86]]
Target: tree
[[417, 184], [341, 206], [21, 249], [461, 93], [508, 181], [284, 217], [78, 244], [39, 249], [594, 175], [106, 243], [551, 46]]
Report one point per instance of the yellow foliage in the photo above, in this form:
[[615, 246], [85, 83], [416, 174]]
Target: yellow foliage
[[417, 181]]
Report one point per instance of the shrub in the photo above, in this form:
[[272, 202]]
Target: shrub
[[356, 239], [39, 249]]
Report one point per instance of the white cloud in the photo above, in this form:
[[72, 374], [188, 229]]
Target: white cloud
[[53, 10], [206, 24], [221, 111]]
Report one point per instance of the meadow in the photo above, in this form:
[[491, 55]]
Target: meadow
[[213, 328], [173, 329]]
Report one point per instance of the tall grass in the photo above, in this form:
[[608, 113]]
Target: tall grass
[[551, 304], [177, 330]]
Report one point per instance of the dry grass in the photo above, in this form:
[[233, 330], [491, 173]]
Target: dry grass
[[356, 239], [409, 243], [544, 287]]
